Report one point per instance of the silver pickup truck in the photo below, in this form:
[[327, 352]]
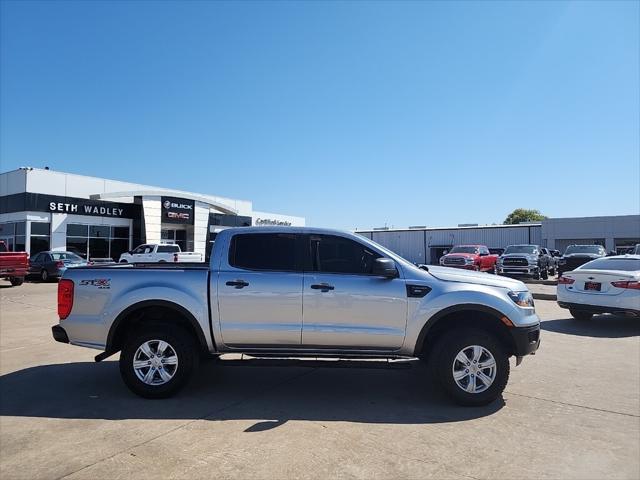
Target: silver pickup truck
[[299, 292]]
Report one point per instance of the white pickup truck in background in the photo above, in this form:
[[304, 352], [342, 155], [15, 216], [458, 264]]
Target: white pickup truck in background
[[159, 253]]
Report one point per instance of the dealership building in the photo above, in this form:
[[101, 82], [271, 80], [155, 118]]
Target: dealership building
[[42, 209], [427, 245]]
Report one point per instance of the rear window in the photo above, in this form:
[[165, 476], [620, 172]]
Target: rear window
[[66, 256], [624, 264], [263, 251], [168, 249]]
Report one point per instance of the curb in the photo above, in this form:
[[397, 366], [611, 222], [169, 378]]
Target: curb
[[545, 296]]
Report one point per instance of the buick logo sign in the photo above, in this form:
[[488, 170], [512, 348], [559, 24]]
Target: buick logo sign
[[166, 204]]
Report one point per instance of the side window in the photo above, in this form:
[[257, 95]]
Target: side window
[[148, 249], [333, 254], [167, 249], [263, 251], [138, 250], [484, 250], [38, 258]]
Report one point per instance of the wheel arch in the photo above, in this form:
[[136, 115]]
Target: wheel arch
[[464, 315], [152, 311]]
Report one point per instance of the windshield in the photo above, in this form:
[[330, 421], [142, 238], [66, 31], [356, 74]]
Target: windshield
[[72, 257], [530, 249], [464, 250], [591, 249]]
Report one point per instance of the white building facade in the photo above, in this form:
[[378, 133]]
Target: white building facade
[[100, 218]]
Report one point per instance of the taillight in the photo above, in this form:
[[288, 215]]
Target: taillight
[[565, 281], [627, 284], [59, 264], [65, 298]]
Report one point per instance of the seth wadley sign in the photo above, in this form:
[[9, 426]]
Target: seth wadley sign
[[85, 210]]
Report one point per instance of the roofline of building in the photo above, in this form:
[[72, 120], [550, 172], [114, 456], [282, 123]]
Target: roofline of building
[[150, 187], [429, 229]]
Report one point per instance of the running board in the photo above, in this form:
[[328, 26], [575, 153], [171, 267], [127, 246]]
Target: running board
[[246, 361]]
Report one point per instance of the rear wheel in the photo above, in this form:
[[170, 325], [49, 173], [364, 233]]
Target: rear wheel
[[158, 361], [16, 281], [44, 275], [581, 315], [123, 261], [471, 366]]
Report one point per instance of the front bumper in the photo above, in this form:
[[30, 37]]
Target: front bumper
[[595, 309], [59, 334], [525, 339], [529, 270]]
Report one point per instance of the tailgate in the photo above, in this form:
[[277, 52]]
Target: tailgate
[[14, 261]]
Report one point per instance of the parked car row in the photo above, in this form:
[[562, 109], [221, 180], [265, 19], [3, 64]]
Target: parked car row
[[521, 260]]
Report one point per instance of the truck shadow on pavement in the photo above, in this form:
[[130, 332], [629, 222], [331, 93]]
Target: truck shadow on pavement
[[600, 326], [270, 396]]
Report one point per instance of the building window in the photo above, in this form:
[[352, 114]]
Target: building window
[[97, 241], [40, 237]]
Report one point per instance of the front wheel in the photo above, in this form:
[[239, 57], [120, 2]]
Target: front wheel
[[471, 366], [157, 362], [581, 315], [16, 281]]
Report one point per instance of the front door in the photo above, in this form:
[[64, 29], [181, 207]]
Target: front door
[[260, 291], [345, 306]]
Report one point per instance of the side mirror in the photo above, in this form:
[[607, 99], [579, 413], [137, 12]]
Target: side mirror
[[385, 267]]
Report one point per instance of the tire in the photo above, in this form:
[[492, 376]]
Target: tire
[[44, 275], [536, 275], [581, 315], [16, 281], [545, 274], [444, 360], [180, 345], [123, 261], [493, 270]]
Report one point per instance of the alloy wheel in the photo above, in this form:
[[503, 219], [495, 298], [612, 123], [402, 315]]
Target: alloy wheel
[[474, 369], [155, 362]]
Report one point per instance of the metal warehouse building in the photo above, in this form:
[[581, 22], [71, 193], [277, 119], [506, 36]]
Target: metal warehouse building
[[426, 245]]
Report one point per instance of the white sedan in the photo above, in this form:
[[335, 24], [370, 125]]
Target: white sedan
[[604, 285]]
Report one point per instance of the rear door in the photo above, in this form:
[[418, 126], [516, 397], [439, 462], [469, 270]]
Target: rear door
[[260, 291], [345, 306]]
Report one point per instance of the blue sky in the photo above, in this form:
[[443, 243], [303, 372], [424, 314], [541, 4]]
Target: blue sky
[[351, 114]]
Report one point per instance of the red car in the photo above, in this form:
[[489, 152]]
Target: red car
[[13, 265], [470, 257]]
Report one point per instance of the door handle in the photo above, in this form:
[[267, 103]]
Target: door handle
[[237, 283], [323, 287]]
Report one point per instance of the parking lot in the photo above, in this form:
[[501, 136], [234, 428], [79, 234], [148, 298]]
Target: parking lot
[[571, 411]]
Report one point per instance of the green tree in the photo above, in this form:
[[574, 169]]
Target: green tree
[[520, 215]]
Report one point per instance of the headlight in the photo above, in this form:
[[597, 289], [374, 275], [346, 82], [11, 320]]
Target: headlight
[[441, 260], [468, 260], [522, 299], [499, 261]]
